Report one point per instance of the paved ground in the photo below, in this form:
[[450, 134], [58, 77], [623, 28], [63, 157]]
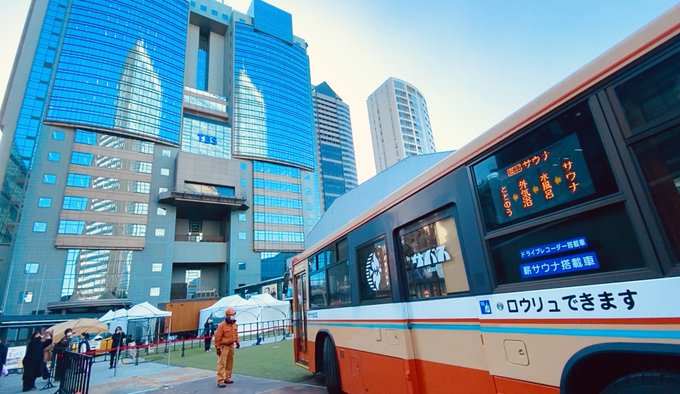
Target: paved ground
[[151, 377]]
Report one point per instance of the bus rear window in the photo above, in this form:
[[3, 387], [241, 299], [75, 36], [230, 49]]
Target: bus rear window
[[591, 242], [559, 164]]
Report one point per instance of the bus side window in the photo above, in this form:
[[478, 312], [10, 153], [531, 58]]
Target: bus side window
[[433, 260], [646, 100]]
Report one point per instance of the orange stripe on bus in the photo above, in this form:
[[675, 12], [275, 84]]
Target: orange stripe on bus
[[511, 386], [367, 372], [442, 378]]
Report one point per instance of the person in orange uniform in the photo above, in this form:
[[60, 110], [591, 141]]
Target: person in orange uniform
[[226, 337]]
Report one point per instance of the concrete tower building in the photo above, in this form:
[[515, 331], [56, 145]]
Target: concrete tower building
[[337, 165], [152, 150], [400, 123]]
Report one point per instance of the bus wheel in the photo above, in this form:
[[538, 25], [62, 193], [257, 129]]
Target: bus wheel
[[330, 363], [657, 382]]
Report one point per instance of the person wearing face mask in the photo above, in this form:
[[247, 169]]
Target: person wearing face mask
[[117, 341], [62, 346], [226, 337], [208, 332]]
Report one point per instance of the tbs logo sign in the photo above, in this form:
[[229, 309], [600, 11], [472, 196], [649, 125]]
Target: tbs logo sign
[[207, 139]]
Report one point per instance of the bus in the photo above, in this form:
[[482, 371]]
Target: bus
[[542, 257]]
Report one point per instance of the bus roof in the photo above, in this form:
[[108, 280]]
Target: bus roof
[[627, 51]]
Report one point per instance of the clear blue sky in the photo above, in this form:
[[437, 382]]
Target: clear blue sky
[[475, 61]]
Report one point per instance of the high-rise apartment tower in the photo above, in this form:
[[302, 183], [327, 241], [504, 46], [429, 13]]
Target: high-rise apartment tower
[[400, 124]]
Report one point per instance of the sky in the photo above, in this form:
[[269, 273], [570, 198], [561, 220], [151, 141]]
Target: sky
[[475, 61]]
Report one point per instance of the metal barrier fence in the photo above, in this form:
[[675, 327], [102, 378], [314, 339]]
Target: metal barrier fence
[[77, 369]]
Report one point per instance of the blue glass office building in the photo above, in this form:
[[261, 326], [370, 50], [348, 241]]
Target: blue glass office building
[[337, 164], [154, 150]]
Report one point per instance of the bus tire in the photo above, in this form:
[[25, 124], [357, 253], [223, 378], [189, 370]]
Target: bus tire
[[657, 382], [330, 361]]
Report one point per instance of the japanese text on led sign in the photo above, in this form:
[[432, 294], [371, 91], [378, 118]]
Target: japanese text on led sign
[[560, 265], [553, 248], [552, 176]]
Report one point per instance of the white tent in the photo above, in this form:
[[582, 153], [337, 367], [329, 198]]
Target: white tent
[[146, 311], [121, 317], [107, 316], [270, 308], [250, 313], [247, 312], [141, 314]]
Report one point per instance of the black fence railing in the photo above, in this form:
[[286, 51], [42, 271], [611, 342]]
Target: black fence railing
[[76, 375]]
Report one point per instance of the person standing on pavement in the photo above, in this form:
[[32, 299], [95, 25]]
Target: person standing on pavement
[[84, 344], [32, 362], [208, 332], [48, 347], [226, 337], [59, 349], [3, 359], [116, 343]]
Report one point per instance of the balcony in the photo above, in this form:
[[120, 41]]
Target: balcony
[[204, 206]]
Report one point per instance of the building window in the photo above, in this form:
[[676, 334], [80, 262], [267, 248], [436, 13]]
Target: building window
[[44, 202], [162, 190], [160, 232], [82, 159], [241, 235], [193, 280], [156, 267], [26, 297], [86, 137], [244, 166], [39, 227], [143, 167], [244, 183], [54, 156], [142, 187], [202, 59], [31, 268], [58, 135], [165, 171], [161, 211], [242, 266], [166, 153], [154, 292], [78, 180], [241, 217], [73, 203], [49, 179], [71, 226]]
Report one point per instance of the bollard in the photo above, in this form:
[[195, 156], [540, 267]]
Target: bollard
[[183, 348]]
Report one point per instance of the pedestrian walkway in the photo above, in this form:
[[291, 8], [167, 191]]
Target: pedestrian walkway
[[150, 377]]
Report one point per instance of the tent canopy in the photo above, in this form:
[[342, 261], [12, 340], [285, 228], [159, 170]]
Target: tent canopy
[[146, 311], [121, 317], [256, 309], [246, 310], [78, 326]]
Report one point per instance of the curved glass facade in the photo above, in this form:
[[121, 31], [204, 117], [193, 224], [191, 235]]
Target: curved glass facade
[[272, 99], [29, 122], [121, 67]]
